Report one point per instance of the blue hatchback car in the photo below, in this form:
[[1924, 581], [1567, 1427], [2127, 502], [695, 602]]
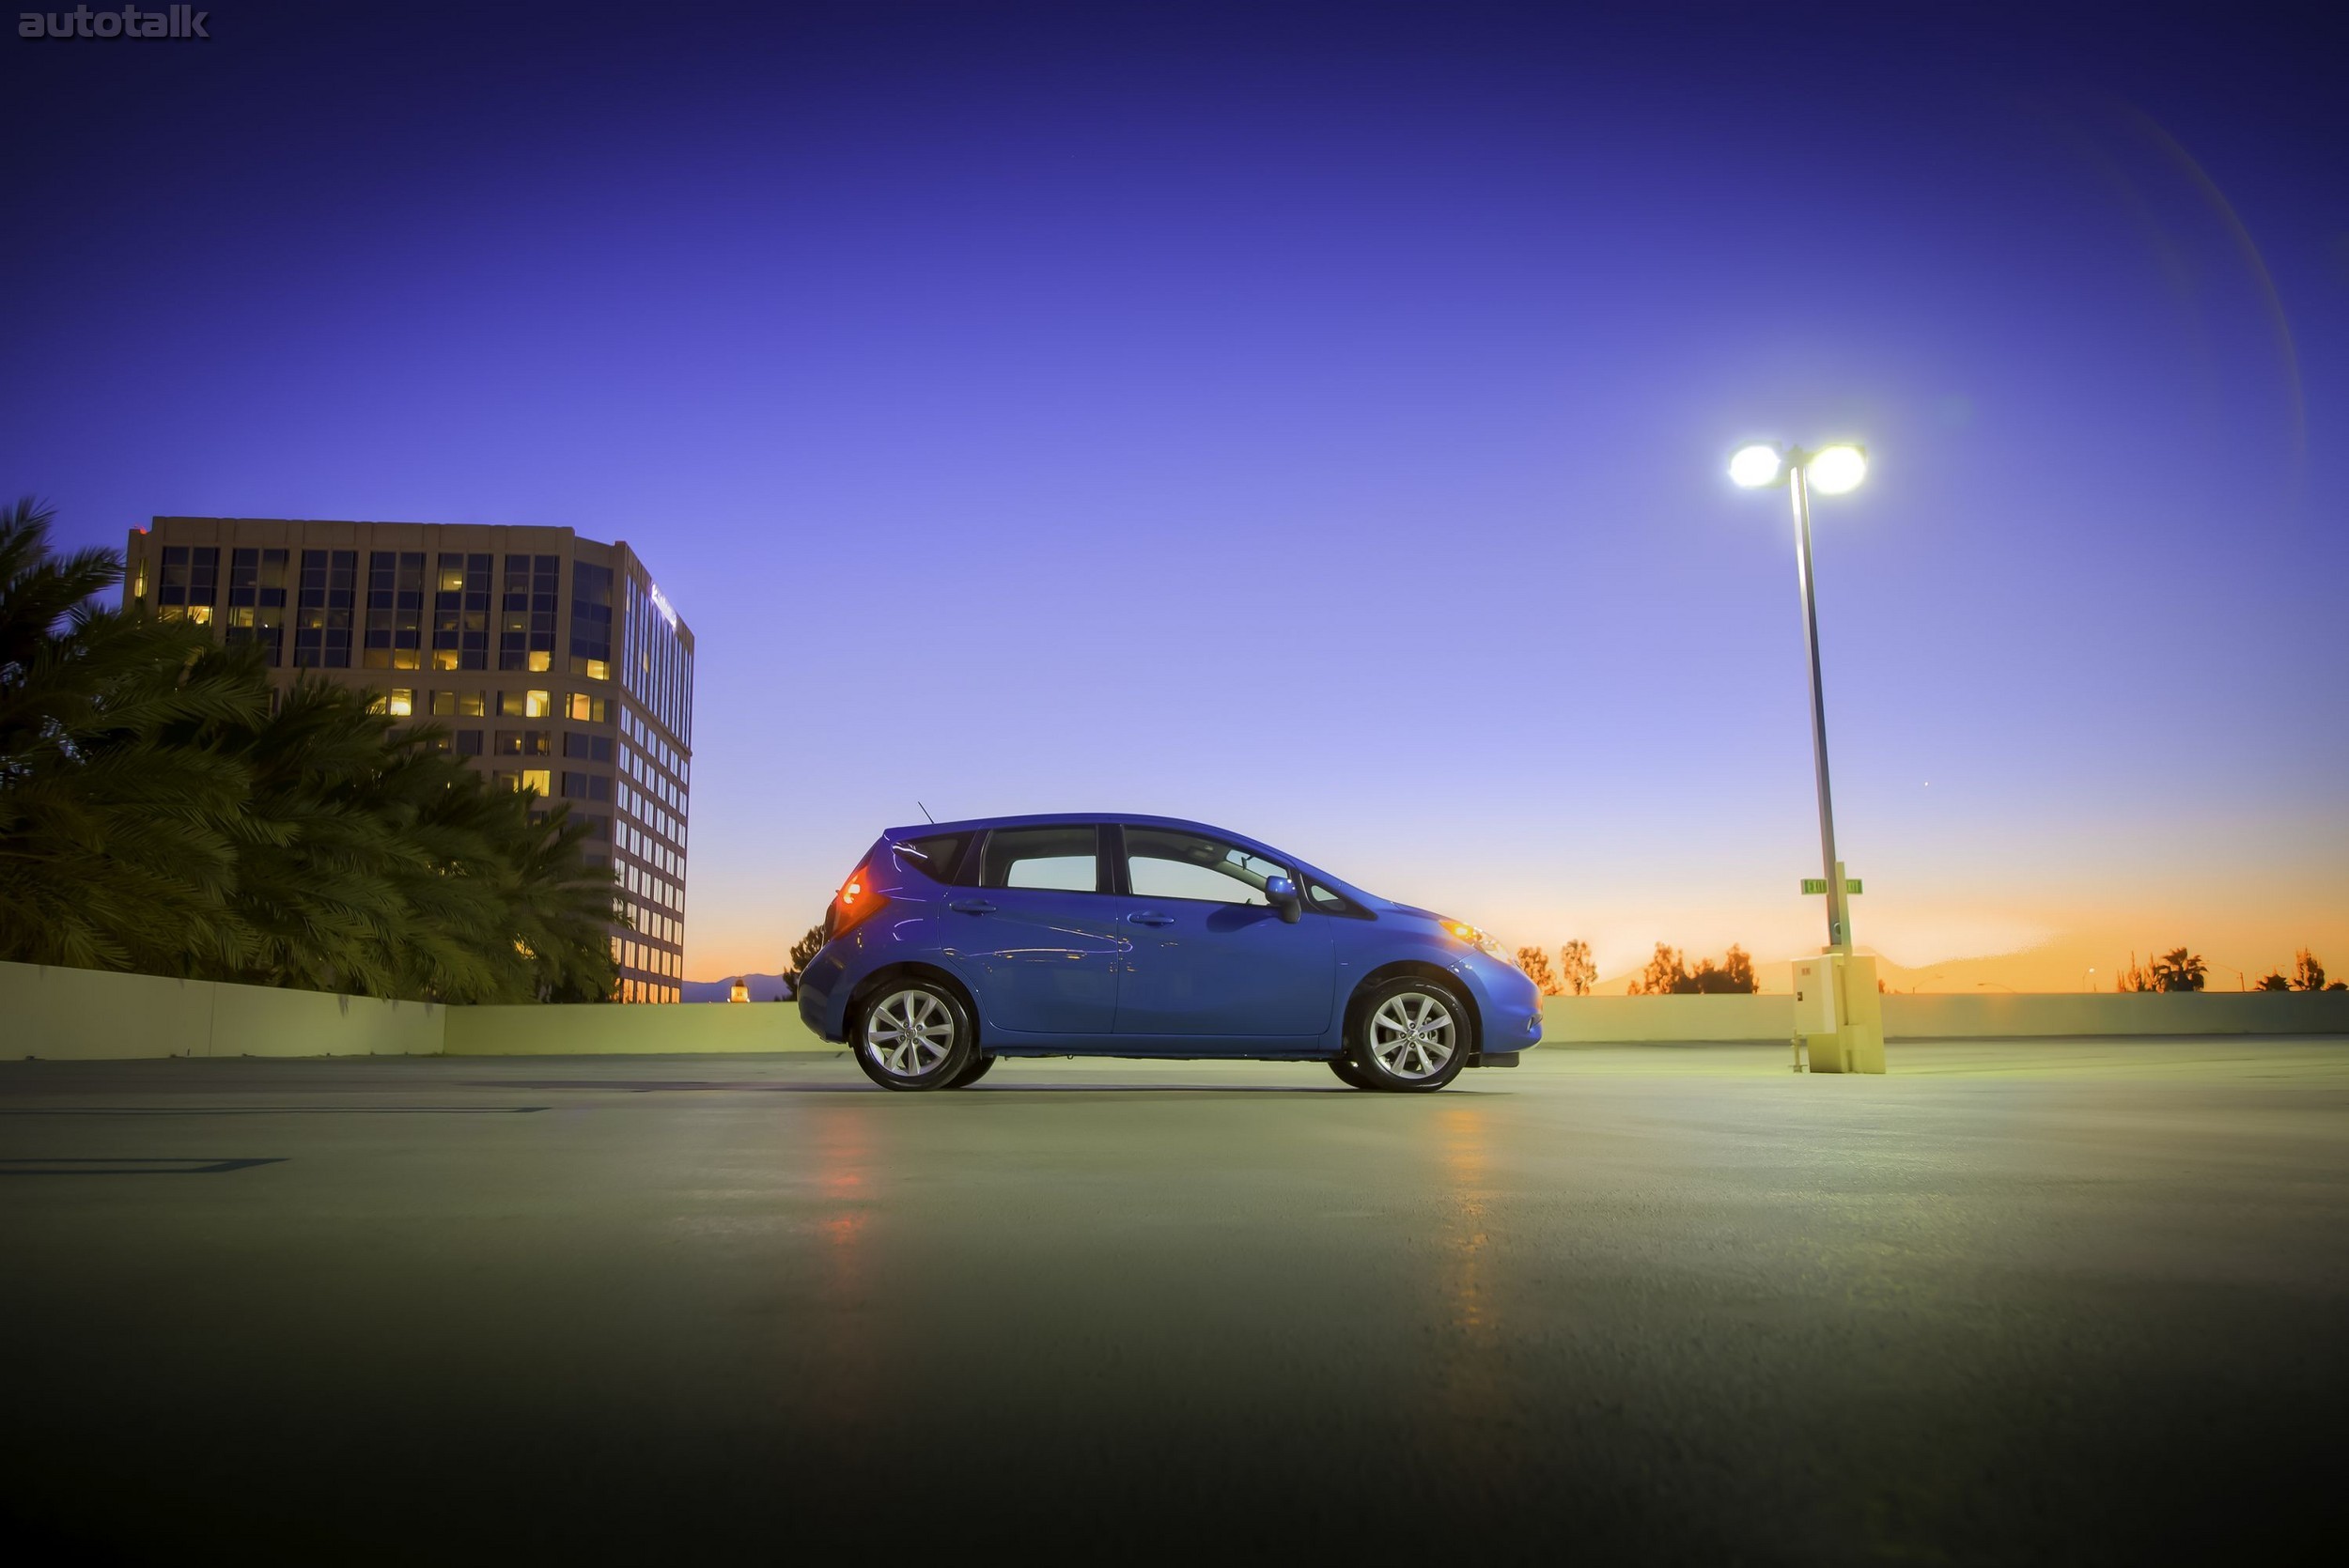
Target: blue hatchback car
[[953, 943]]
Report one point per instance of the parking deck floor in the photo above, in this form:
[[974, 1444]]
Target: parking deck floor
[[2061, 1301]]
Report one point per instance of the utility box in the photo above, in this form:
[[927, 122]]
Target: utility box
[[1863, 1014], [1815, 1015], [1839, 1016]]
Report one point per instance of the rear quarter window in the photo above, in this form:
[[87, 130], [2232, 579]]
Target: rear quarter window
[[937, 857]]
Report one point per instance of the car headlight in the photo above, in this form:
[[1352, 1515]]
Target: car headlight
[[1482, 940]]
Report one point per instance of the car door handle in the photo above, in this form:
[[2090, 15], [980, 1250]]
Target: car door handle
[[1149, 918], [972, 906]]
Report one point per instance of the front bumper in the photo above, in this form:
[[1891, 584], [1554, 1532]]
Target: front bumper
[[1508, 1006]]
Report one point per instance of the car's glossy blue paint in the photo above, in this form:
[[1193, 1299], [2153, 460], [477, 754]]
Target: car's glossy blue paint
[[1107, 973]]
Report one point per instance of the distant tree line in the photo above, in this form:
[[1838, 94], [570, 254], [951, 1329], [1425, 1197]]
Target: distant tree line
[[1666, 974], [1669, 974], [2307, 975], [162, 811], [2179, 970]]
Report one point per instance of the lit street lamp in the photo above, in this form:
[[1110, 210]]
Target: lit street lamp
[[1832, 471]]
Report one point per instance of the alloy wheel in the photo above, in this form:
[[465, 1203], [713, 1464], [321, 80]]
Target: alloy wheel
[[1413, 1034], [910, 1033]]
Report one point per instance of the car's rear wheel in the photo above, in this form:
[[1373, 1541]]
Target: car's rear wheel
[[1411, 1035], [914, 1035], [972, 1071], [1349, 1074]]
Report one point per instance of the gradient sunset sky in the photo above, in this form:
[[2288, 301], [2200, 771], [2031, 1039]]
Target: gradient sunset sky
[[1310, 419]]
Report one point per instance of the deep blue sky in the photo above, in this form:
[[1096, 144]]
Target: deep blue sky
[[1307, 418]]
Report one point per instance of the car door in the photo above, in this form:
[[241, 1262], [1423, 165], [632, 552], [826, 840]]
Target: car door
[[1039, 937], [1212, 960]]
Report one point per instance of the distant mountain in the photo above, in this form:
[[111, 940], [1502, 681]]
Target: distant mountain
[[764, 987]]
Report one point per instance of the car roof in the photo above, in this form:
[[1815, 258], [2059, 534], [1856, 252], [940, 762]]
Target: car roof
[[1064, 818], [1142, 819]]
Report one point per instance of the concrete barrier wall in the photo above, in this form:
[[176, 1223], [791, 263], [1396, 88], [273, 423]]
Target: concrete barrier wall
[[1614, 1020], [87, 1015], [715, 1025], [90, 1015], [1626, 1020], [2014, 1015]]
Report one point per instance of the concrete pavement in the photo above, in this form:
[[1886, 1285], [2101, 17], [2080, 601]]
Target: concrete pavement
[[2052, 1301]]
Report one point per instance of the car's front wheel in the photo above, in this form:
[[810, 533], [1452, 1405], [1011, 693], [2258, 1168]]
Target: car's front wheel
[[1411, 1035], [972, 1071], [914, 1035], [1349, 1074]]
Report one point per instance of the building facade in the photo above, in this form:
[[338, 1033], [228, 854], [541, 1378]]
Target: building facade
[[554, 662]]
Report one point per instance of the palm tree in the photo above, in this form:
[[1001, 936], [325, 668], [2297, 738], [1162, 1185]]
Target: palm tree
[[158, 813], [2179, 970], [375, 862], [113, 852]]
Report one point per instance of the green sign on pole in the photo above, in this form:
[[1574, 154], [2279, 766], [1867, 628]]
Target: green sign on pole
[[1818, 885]]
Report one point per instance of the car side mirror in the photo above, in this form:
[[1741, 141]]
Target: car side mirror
[[1282, 893]]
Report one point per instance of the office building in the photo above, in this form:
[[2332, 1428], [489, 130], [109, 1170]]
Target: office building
[[555, 663]]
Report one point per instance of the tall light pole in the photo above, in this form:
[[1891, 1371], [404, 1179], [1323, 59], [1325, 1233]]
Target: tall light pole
[[1833, 470]]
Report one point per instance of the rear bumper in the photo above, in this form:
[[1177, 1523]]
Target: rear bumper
[[823, 996]]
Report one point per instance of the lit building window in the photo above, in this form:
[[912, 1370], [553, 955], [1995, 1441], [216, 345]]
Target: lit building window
[[403, 703], [256, 602], [526, 705], [191, 582], [460, 612], [526, 612], [591, 620], [394, 630], [328, 593]]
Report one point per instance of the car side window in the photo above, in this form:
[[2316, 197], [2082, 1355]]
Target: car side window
[[1162, 863], [1065, 859]]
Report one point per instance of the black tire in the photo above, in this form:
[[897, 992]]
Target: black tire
[[1423, 1027], [972, 1071], [921, 1027], [1349, 1073]]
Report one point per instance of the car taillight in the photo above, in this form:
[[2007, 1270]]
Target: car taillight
[[856, 902]]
